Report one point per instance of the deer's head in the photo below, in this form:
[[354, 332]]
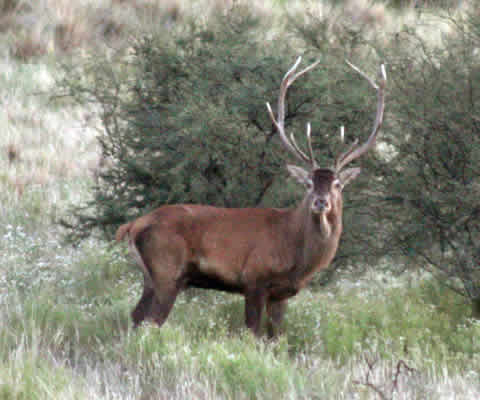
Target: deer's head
[[324, 185]]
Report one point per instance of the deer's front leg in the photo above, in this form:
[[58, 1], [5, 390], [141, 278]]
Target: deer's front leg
[[254, 303], [276, 312]]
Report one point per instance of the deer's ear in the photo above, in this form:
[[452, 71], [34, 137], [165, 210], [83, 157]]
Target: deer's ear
[[301, 175], [348, 175]]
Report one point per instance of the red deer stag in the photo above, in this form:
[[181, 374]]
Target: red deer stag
[[265, 254]]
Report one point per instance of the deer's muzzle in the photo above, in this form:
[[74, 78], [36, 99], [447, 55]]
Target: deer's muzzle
[[320, 205]]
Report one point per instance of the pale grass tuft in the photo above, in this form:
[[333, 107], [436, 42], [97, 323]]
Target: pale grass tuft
[[41, 144]]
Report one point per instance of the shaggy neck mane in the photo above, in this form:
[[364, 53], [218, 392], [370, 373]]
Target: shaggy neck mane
[[317, 237]]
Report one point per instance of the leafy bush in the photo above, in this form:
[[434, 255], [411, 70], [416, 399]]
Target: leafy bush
[[429, 206], [185, 121]]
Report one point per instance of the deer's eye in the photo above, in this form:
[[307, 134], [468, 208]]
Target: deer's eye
[[309, 184], [337, 184]]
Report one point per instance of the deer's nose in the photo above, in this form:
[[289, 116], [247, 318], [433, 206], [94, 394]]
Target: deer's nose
[[319, 205]]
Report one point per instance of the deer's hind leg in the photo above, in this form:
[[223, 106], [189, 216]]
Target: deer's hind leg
[[146, 304], [164, 258], [147, 307]]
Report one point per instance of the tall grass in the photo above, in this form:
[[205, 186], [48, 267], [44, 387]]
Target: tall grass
[[65, 329], [56, 341], [66, 333]]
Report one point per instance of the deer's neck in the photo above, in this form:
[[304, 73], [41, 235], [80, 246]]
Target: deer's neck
[[317, 237]]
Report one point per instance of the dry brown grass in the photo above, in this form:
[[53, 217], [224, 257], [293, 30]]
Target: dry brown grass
[[8, 6], [29, 46], [13, 153], [63, 26], [41, 27]]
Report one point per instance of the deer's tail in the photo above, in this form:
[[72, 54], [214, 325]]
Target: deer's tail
[[122, 231]]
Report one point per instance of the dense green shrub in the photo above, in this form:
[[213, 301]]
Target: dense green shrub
[[185, 120], [429, 205]]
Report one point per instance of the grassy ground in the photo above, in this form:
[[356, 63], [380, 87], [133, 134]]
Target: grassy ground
[[65, 330]]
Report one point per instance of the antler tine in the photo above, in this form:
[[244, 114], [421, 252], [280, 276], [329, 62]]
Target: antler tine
[[309, 142], [297, 148], [345, 154], [279, 123], [310, 157], [354, 152]]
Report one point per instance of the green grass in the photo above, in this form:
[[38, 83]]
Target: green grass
[[65, 330], [77, 319]]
